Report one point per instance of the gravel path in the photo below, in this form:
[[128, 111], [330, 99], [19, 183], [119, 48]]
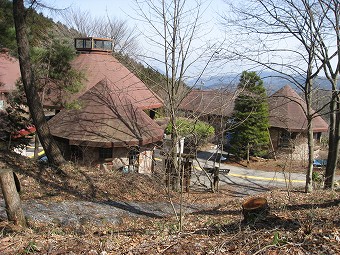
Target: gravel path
[[76, 213]]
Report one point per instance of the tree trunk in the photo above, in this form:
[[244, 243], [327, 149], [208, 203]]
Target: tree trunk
[[309, 175], [308, 97], [248, 156], [333, 146], [33, 101], [174, 156], [13, 205], [36, 146], [216, 179]]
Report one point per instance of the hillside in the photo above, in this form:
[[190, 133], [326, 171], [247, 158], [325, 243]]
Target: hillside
[[41, 29], [271, 81], [298, 223]]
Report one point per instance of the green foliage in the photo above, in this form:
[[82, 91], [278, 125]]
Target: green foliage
[[277, 240], [75, 105], [196, 132], [7, 31], [31, 248], [52, 65], [316, 177], [38, 27], [251, 117]]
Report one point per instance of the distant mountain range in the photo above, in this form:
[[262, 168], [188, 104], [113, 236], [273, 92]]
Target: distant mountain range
[[271, 81]]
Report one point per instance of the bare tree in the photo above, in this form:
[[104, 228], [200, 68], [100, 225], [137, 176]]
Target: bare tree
[[174, 28], [125, 39], [79, 20], [33, 100], [329, 54], [288, 42]]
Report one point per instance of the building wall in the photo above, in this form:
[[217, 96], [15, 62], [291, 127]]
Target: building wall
[[3, 101], [120, 158], [146, 160], [297, 149], [275, 138]]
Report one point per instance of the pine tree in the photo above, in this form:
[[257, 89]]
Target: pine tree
[[251, 114]]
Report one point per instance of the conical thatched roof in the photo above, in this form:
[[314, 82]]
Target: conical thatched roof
[[111, 104], [287, 111], [99, 66], [106, 118]]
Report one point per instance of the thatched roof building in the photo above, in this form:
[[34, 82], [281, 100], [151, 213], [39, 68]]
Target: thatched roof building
[[9, 75], [288, 111], [208, 102]]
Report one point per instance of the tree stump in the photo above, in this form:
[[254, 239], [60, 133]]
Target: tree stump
[[255, 209], [13, 204]]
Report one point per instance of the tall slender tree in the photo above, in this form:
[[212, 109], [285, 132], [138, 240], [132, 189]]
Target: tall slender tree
[[33, 100], [175, 26], [329, 54]]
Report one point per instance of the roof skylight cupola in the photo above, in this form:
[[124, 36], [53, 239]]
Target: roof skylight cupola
[[93, 44]]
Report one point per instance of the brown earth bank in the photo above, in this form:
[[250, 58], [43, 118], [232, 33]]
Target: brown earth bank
[[298, 223]]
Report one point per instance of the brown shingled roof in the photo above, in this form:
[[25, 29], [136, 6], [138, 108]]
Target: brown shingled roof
[[106, 119], [287, 110], [9, 72], [103, 66], [214, 102]]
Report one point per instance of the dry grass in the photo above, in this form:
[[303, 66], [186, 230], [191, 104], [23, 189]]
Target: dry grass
[[298, 223]]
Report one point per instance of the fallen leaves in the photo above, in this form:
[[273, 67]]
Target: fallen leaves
[[298, 223]]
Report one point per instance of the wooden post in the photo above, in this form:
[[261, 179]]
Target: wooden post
[[187, 173], [12, 200], [248, 152], [216, 178]]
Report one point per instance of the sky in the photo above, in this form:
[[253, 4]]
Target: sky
[[126, 10], [212, 34], [117, 8]]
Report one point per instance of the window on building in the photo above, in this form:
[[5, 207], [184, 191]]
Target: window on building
[[285, 138], [107, 45], [105, 153], [83, 43], [98, 44], [89, 43], [102, 44]]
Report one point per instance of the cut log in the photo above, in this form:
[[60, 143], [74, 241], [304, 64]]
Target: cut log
[[255, 209], [12, 200]]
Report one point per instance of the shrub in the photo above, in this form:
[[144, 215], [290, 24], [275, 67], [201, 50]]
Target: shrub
[[196, 132]]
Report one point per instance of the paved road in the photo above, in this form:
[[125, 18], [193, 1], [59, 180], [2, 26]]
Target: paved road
[[245, 181], [249, 181]]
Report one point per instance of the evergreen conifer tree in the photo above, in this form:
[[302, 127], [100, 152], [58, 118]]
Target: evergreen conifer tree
[[251, 114]]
